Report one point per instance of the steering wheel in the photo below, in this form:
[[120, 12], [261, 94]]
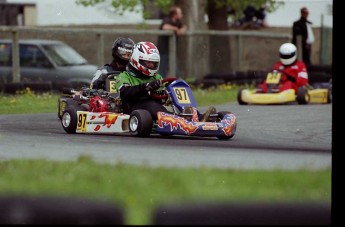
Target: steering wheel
[[162, 94]]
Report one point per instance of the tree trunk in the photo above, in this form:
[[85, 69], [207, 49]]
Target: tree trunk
[[188, 47], [220, 60]]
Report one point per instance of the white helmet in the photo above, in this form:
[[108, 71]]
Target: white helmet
[[288, 53], [145, 58]]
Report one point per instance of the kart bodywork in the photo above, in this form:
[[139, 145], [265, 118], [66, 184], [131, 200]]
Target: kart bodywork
[[169, 124], [305, 95], [98, 113], [94, 122]]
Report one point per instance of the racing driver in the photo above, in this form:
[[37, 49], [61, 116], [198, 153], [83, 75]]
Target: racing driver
[[140, 78], [121, 52], [293, 71]]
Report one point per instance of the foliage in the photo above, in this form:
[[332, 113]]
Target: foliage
[[121, 6], [235, 6]]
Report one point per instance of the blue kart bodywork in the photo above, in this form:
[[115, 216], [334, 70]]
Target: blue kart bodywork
[[223, 125]]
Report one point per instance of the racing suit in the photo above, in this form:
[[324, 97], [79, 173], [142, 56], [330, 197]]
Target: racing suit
[[132, 86], [98, 80], [293, 76]]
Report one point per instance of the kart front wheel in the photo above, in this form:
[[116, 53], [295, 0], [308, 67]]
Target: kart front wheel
[[239, 97], [140, 123], [221, 115], [69, 120], [302, 96]]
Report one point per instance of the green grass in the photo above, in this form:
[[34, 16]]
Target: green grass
[[217, 95], [138, 190], [28, 102]]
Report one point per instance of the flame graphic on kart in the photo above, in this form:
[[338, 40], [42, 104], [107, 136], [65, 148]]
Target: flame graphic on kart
[[165, 119], [109, 120], [172, 124]]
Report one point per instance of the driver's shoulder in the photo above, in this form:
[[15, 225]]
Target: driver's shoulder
[[124, 74], [158, 76]]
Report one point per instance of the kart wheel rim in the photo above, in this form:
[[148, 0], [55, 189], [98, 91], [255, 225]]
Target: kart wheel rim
[[66, 120], [133, 124]]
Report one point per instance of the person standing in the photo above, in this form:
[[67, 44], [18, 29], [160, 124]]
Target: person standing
[[173, 23], [302, 27]]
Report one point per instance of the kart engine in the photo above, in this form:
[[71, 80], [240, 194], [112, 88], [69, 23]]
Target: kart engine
[[97, 104]]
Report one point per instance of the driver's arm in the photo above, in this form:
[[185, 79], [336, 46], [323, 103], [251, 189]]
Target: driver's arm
[[132, 93], [128, 92], [290, 77], [98, 81]]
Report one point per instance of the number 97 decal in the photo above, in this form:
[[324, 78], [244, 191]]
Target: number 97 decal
[[82, 121], [182, 95]]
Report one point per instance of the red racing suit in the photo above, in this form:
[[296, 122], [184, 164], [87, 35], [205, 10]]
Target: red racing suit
[[293, 76]]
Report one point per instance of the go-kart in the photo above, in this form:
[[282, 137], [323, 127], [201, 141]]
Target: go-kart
[[304, 95], [99, 111]]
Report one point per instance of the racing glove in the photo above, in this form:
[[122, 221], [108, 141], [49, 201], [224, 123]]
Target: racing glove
[[153, 85]]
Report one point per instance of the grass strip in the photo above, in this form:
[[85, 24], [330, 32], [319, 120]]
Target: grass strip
[[139, 189]]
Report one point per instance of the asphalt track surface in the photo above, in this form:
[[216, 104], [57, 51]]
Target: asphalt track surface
[[285, 137]]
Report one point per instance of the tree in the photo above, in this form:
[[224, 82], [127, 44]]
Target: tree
[[234, 7], [219, 13]]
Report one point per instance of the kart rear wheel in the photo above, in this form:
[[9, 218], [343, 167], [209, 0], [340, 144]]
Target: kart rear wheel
[[239, 97], [62, 104], [69, 120], [221, 115], [140, 123], [65, 101], [302, 96]]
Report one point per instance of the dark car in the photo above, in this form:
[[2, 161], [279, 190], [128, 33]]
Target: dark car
[[47, 61]]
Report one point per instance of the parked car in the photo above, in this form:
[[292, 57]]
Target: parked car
[[50, 62]]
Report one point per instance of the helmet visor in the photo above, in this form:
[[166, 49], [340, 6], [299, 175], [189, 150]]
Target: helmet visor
[[149, 64], [124, 53], [287, 56]]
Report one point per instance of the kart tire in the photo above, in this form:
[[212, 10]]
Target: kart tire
[[62, 104], [69, 119], [302, 96], [329, 95], [65, 101], [140, 123], [239, 97], [221, 115]]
